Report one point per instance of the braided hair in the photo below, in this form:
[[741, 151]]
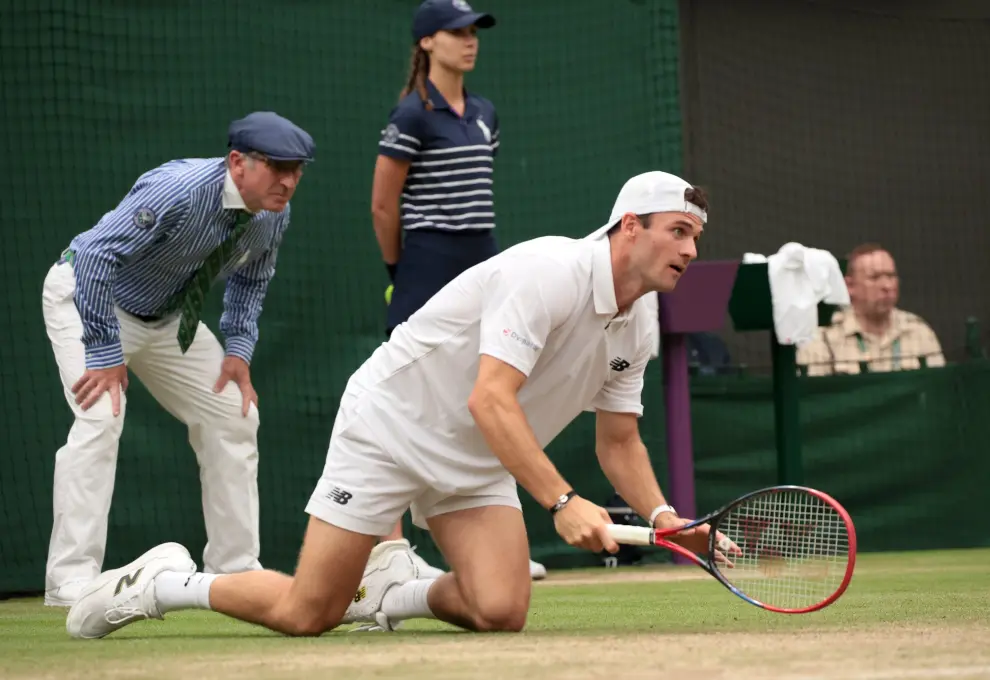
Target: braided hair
[[419, 69]]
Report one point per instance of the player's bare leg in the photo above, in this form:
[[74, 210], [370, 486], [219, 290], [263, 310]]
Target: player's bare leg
[[319, 597], [489, 586], [396, 534], [313, 601]]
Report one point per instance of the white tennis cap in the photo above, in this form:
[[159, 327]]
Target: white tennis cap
[[651, 192]]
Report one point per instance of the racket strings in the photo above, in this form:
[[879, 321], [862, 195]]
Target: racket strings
[[795, 549]]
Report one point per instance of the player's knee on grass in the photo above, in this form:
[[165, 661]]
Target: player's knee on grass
[[503, 618], [309, 620], [308, 625], [500, 612]]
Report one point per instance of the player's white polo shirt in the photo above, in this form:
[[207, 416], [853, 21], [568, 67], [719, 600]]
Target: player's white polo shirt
[[547, 307]]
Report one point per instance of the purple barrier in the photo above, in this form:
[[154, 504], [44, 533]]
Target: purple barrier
[[699, 303]]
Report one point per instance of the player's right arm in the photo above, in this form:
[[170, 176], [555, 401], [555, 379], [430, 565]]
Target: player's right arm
[[521, 308], [496, 410], [398, 147]]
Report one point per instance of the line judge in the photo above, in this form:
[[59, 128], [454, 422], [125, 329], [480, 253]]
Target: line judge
[[128, 293]]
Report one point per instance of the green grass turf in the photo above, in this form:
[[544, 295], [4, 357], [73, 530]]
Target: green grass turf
[[891, 594]]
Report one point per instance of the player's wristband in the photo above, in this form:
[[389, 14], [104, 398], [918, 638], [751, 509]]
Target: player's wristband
[[563, 500], [391, 271], [660, 509]]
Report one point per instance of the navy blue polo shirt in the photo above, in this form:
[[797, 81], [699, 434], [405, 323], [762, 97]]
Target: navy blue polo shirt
[[449, 185]]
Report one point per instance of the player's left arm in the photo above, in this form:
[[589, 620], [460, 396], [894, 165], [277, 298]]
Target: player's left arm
[[620, 449], [623, 456], [244, 297]]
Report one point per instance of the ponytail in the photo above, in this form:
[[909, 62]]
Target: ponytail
[[419, 69]]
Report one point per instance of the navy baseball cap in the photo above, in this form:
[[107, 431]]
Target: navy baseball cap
[[447, 15], [269, 133]]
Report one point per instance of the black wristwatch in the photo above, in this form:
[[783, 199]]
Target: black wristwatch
[[563, 500]]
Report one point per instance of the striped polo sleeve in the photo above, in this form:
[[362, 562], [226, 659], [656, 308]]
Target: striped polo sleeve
[[152, 207], [245, 296], [401, 139]]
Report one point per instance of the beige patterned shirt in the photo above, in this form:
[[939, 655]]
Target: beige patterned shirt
[[841, 347]]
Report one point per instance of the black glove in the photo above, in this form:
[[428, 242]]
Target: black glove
[[391, 271]]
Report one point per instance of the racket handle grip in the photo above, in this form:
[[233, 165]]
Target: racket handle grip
[[630, 535]]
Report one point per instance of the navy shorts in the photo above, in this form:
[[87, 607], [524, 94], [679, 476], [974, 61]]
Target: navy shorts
[[430, 260]]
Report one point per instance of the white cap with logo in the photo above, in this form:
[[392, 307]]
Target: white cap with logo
[[650, 192]]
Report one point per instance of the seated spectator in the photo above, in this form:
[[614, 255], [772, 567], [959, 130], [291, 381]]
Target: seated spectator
[[872, 330]]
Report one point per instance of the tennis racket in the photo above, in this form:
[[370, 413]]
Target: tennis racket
[[787, 549]]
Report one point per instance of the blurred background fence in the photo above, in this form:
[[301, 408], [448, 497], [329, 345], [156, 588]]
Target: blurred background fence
[[827, 123]]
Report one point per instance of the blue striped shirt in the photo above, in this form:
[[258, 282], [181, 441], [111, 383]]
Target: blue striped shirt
[[151, 244], [450, 179]]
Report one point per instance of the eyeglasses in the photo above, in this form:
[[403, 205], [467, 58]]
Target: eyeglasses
[[278, 166]]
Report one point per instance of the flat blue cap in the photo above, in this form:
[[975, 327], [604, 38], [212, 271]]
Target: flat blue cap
[[269, 133], [447, 15]]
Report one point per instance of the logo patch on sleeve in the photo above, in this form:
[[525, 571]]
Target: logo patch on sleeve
[[391, 134], [525, 342], [144, 218]]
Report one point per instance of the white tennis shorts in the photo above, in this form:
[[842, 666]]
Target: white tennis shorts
[[366, 490]]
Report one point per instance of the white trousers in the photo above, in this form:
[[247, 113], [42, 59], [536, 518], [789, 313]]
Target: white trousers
[[225, 442]]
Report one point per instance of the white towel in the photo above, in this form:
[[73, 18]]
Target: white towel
[[800, 278]]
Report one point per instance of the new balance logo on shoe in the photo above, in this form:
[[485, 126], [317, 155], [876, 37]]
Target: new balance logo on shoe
[[619, 364], [338, 495], [127, 580]]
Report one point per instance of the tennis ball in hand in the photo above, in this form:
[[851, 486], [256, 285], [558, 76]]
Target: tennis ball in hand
[[388, 294]]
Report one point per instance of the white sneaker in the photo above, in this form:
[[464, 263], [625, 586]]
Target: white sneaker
[[382, 624], [537, 571], [122, 596], [65, 595], [390, 564], [425, 569]]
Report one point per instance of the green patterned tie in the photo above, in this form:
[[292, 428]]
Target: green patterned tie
[[190, 299]]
